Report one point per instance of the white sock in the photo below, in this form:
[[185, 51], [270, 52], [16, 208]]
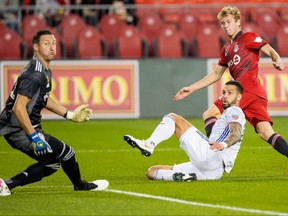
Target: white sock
[[165, 175], [163, 131]]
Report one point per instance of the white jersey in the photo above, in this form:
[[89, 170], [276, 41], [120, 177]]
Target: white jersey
[[221, 131]]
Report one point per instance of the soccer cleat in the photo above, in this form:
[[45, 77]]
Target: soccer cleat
[[180, 177], [92, 186], [101, 184], [4, 190], [146, 149]]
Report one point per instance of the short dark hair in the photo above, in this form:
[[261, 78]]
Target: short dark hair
[[36, 38], [237, 84]]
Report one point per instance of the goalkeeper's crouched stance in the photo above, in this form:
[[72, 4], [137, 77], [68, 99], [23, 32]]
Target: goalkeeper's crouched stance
[[20, 122], [50, 158]]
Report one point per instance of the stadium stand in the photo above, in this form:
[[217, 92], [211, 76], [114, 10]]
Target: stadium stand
[[110, 26], [170, 43], [60, 44], [208, 41], [130, 44], [149, 24], [252, 27], [188, 23], [264, 17], [12, 45], [90, 44], [30, 25], [283, 13], [2, 26], [281, 42], [268, 20], [69, 29]]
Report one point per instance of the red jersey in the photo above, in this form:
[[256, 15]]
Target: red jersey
[[242, 58]]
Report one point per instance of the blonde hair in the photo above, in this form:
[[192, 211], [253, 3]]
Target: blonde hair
[[234, 11]]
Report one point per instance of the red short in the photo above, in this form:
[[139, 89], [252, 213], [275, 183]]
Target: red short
[[254, 108]]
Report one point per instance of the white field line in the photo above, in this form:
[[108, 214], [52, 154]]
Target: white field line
[[256, 211], [174, 200], [130, 150]]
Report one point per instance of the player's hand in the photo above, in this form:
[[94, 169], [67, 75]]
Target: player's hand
[[184, 92], [80, 114], [215, 146], [41, 147], [278, 65]]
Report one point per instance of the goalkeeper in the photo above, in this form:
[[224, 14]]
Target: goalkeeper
[[20, 122]]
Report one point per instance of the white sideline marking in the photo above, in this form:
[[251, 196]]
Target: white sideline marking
[[169, 199]]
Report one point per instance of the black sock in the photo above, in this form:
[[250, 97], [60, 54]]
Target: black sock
[[279, 144], [209, 123], [33, 173], [71, 168]]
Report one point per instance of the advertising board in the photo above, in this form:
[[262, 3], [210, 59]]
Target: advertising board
[[111, 88]]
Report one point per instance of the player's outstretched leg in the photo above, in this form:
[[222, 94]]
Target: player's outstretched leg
[[180, 177], [92, 186], [163, 131], [145, 148], [33, 173], [279, 144]]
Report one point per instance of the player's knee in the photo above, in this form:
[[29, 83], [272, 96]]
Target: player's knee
[[67, 153], [211, 112], [173, 115], [207, 114], [150, 173], [176, 117], [54, 166], [204, 115]]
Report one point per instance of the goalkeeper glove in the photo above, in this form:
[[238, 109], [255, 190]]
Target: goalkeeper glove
[[41, 147], [80, 114]]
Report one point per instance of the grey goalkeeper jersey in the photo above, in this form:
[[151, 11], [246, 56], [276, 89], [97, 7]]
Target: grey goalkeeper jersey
[[35, 83], [221, 131]]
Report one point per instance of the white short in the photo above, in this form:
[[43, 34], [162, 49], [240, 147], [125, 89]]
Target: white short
[[205, 163]]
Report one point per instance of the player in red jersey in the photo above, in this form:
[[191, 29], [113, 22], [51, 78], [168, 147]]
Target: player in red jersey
[[241, 56]]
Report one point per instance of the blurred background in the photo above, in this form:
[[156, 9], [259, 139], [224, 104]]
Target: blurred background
[[135, 29], [128, 58]]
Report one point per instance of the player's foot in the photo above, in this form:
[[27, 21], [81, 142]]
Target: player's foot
[[4, 190], [180, 177], [145, 148], [93, 186]]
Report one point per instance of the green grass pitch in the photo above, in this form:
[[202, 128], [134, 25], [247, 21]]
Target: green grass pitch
[[256, 186]]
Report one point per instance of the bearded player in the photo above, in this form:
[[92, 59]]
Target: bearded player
[[241, 56]]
